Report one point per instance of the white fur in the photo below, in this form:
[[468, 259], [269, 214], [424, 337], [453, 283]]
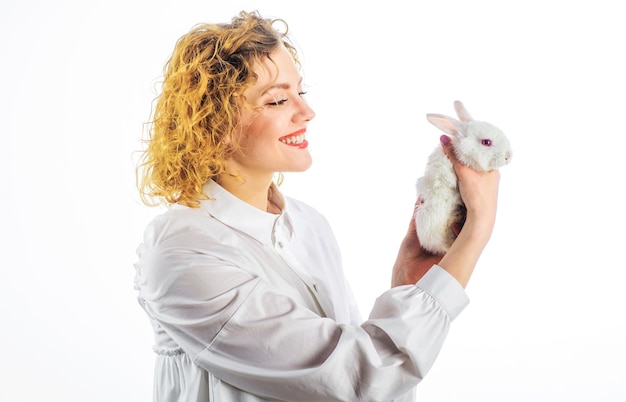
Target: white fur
[[438, 188]]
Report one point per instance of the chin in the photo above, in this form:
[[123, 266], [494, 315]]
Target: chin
[[300, 166], [297, 169]]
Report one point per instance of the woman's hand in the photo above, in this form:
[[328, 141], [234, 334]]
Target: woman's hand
[[479, 191]]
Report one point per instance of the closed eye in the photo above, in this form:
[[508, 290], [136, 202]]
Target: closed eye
[[277, 102], [280, 102], [486, 142]]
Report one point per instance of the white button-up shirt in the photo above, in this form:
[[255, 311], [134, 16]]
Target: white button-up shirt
[[251, 306]]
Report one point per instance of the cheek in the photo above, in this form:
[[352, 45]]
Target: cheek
[[262, 130]]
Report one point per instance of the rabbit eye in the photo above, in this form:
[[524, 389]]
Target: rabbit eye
[[486, 142]]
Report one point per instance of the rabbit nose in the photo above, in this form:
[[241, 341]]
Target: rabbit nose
[[507, 156]]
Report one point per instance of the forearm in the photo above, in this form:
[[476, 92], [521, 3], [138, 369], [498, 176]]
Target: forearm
[[464, 253], [385, 357]]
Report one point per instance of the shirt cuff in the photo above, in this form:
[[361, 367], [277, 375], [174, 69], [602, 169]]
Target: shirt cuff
[[444, 288]]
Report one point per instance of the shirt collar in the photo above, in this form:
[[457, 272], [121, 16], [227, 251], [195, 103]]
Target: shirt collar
[[233, 212]]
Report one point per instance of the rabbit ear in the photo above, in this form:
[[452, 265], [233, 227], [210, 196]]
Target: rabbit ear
[[463, 114], [446, 124]]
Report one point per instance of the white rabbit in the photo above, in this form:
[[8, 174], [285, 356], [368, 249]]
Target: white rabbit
[[477, 144]]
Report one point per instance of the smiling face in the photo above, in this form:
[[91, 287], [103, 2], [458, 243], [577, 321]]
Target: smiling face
[[273, 136]]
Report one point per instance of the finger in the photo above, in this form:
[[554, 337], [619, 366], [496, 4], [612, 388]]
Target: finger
[[448, 149], [412, 227], [445, 140], [456, 228], [418, 203], [446, 144]]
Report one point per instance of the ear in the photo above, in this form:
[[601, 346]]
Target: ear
[[227, 139], [446, 124], [463, 114]]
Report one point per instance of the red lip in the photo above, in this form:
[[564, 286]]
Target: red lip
[[301, 145]]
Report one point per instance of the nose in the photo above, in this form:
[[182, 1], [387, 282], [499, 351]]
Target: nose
[[304, 112]]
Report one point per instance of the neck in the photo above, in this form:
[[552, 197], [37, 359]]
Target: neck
[[252, 191]]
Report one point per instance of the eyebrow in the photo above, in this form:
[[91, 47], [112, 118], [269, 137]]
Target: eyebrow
[[282, 85]]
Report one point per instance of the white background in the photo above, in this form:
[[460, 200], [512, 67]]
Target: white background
[[546, 321]]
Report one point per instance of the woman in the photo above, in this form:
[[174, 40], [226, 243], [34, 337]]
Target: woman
[[244, 287]]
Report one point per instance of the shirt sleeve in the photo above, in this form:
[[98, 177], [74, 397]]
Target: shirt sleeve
[[416, 318], [256, 338]]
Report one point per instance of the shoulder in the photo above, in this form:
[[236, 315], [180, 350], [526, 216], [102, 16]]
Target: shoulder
[[181, 226], [180, 241]]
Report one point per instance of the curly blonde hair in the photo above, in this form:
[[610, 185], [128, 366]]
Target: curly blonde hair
[[200, 104]]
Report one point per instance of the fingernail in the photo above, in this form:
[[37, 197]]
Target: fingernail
[[445, 140], [456, 228]]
